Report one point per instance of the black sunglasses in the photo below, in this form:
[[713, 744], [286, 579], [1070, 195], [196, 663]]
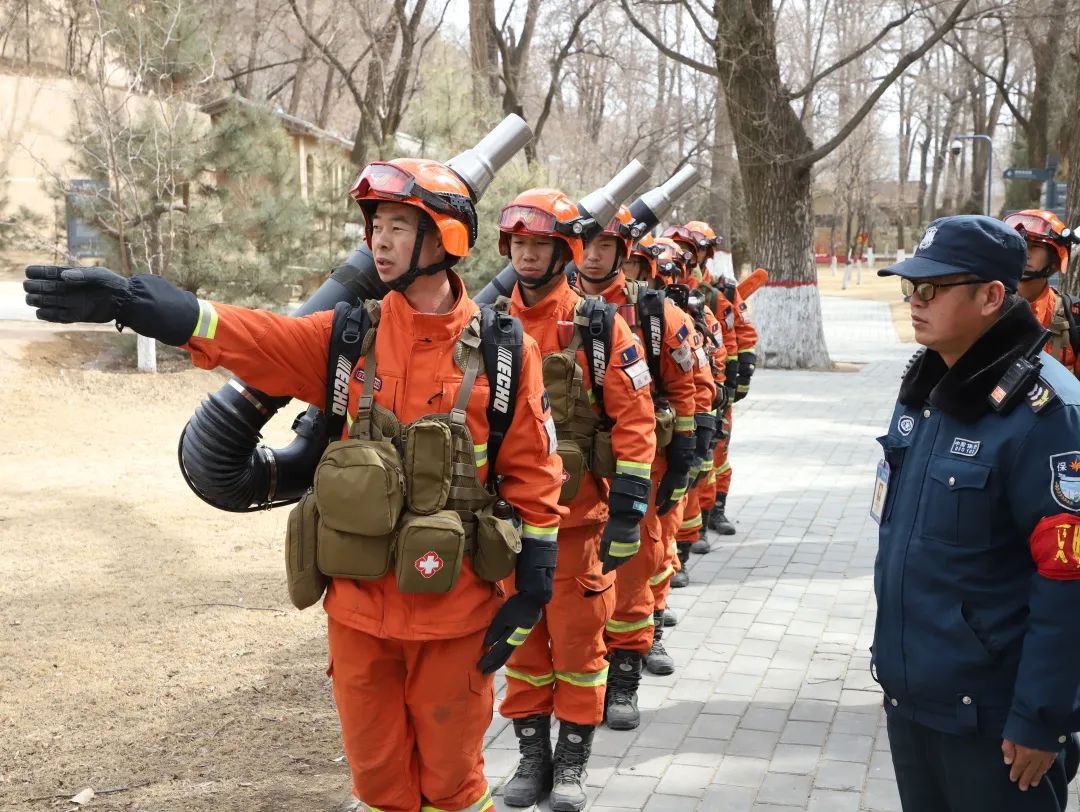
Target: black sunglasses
[[928, 290]]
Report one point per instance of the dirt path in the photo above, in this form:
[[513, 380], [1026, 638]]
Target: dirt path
[[146, 639]]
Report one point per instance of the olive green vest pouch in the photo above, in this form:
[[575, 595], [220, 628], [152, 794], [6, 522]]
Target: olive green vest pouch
[[306, 583], [429, 465], [359, 487], [563, 382], [665, 425], [602, 463], [573, 461], [498, 543], [429, 551]]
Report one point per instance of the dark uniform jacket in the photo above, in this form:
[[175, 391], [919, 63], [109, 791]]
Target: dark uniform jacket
[[978, 568]]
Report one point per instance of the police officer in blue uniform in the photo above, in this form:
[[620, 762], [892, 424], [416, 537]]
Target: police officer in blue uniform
[[977, 643]]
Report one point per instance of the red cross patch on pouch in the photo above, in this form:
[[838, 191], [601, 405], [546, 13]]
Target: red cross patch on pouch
[[429, 563]]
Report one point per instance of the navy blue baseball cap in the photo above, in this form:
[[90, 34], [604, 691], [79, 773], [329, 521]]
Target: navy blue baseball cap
[[968, 244]]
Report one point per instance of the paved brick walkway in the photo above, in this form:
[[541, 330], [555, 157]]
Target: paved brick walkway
[[772, 706]]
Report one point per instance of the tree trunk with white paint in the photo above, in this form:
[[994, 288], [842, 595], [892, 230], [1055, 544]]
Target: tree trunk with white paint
[[146, 354]]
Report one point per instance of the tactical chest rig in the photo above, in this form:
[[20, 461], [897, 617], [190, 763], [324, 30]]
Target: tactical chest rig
[[406, 497], [583, 435], [644, 312]]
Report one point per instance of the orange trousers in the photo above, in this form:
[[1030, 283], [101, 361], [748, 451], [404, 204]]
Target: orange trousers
[[720, 458], [561, 667], [413, 716], [631, 625], [690, 525], [661, 580]]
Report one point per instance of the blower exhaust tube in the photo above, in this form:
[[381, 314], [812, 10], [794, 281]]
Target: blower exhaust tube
[[656, 204], [220, 454]]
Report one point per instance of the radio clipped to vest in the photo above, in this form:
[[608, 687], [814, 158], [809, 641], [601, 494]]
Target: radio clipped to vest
[[407, 497]]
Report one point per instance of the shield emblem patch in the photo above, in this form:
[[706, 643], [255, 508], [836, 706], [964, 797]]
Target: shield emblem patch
[[1065, 479]]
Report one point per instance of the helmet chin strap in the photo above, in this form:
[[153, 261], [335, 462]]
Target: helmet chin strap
[[1031, 276], [401, 283], [597, 280], [554, 269]]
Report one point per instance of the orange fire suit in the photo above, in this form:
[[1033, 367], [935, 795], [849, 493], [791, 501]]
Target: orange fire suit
[[660, 582], [719, 478], [561, 667], [1049, 310], [413, 706], [746, 338], [631, 626]]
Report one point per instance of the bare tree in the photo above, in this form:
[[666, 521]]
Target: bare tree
[[777, 155]]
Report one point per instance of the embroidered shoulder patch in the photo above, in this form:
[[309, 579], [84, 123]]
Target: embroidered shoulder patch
[[630, 354], [1041, 395], [1065, 479], [683, 333], [905, 424], [1055, 547], [545, 402]]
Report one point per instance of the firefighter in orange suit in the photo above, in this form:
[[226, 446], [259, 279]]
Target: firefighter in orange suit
[[413, 700], [598, 381], [619, 271], [705, 336], [1049, 242]]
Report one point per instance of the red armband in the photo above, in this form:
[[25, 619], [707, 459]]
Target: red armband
[[1055, 547]]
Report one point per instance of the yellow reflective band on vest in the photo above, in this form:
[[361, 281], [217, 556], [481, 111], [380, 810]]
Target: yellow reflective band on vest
[[543, 679], [684, 423], [480, 453], [518, 636], [723, 469], [485, 803], [583, 679], [206, 326], [693, 521], [624, 549], [617, 626], [662, 576], [641, 469], [532, 531]]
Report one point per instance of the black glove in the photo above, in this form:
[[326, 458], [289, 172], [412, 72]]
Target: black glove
[[148, 304], [747, 365], [627, 503], [721, 400], [680, 458], [535, 577], [705, 428]]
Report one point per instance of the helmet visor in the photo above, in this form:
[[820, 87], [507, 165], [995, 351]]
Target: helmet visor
[[528, 219], [383, 180], [625, 231], [1032, 224]]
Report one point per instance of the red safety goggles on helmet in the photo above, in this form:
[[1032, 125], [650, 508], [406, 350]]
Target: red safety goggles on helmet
[[539, 222], [390, 182], [1037, 226], [685, 235], [627, 231]]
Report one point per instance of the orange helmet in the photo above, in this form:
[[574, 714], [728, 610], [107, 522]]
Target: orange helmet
[[696, 234], [544, 213], [427, 185], [624, 228], [675, 260], [647, 251], [1041, 226]]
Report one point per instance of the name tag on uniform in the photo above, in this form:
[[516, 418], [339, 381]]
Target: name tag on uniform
[[881, 491]]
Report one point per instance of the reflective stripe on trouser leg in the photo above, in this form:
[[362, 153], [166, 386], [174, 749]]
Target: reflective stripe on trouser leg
[[413, 716], [569, 641], [669, 524], [482, 805], [691, 521], [630, 627]]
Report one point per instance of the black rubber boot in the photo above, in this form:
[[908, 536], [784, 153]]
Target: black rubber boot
[[702, 546], [658, 661], [533, 776], [571, 757], [620, 701], [718, 522], [682, 577]]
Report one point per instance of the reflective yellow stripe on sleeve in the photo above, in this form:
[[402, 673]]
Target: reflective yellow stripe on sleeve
[[684, 423], [532, 531], [206, 326], [640, 469]]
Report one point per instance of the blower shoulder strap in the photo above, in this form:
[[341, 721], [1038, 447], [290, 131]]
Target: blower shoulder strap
[[348, 332], [651, 318], [596, 321], [501, 342]]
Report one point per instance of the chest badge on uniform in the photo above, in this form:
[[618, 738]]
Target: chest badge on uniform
[[905, 424], [1065, 479], [429, 563], [965, 448]]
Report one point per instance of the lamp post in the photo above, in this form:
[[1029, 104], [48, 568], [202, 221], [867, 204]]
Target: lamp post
[[989, 161]]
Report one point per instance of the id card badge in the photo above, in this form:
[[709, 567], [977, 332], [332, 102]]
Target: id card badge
[[881, 491]]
